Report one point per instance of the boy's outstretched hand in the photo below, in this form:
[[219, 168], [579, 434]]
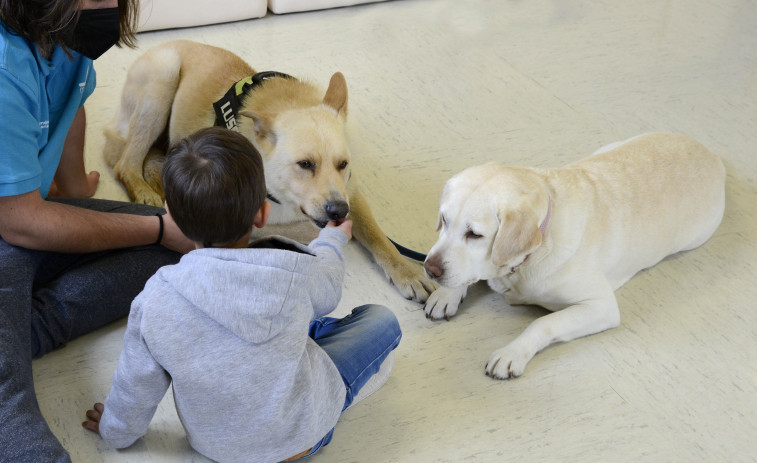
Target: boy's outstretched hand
[[93, 423], [345, 225]]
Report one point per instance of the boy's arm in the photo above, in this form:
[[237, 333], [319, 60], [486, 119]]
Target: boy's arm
[[139, 384], [326, 290]]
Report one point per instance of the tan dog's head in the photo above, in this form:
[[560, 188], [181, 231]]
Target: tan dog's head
[[489, 219], [304, 148]]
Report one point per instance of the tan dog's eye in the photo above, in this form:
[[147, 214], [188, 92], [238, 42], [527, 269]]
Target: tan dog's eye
[[471, 235], [307, 165], [342, 165]]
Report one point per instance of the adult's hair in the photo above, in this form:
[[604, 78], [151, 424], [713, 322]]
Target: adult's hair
[[214, 185], [49, 23]]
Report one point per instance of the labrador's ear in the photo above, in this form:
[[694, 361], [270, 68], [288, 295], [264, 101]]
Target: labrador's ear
[[336, 94], [263, 124], [518, 234]]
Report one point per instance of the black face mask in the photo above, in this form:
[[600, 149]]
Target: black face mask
[[96, 32]]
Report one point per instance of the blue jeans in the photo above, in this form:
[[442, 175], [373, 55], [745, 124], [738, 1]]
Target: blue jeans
[[357, 344], [47, 299]]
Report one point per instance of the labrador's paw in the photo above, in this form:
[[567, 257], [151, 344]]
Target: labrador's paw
[[508, 362], [444, 302]]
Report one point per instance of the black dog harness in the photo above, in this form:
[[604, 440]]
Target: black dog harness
[[227, 108]]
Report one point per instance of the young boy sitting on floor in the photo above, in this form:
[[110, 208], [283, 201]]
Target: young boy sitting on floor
[[256, 375]]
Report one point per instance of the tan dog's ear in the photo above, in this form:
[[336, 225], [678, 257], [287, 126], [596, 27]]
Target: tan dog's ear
[[518, 234], [336, 94], [263, 124]]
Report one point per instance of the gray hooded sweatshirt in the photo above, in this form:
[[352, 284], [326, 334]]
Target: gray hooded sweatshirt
[[229, 329]]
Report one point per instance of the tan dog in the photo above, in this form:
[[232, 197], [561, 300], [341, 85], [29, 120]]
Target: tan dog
[[300, 132], [565, 239]]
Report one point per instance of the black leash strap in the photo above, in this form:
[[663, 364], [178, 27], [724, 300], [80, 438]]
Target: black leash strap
[[415, 255]]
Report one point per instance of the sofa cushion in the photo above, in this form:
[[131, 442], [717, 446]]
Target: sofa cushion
[[291, 6], [169, 14]]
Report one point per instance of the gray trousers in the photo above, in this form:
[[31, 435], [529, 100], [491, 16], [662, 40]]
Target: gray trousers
[[47, 299]]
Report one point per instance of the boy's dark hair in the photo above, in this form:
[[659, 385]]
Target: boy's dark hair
[[48, 23], [214, 185]]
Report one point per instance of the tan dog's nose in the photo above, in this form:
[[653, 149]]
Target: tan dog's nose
[[336, 210], [433, 266]]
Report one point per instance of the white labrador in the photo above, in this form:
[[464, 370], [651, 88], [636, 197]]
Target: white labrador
[[566, 238]]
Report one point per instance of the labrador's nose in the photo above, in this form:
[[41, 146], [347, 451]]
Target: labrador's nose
[[433, 266], [336, 210]]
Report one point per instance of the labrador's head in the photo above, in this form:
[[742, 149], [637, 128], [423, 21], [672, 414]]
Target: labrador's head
[[488, 223]]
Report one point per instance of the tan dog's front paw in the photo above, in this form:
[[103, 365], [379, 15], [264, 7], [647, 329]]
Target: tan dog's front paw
[[148, 197], [410, 281], [508, 362], [139, 191], [444, 302]]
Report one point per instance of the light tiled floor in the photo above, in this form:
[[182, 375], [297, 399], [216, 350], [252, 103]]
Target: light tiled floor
[[436, 86]]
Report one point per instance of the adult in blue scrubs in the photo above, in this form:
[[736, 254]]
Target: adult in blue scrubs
[[68, 264]]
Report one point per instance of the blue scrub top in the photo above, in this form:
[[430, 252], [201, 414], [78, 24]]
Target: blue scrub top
[[38, 101]]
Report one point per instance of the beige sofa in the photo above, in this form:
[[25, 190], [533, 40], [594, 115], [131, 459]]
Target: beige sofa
[[170, 14]]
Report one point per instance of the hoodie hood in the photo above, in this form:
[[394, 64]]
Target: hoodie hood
[[262, 282]]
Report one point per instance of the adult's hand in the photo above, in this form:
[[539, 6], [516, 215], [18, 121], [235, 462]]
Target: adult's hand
[[174, 238]]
